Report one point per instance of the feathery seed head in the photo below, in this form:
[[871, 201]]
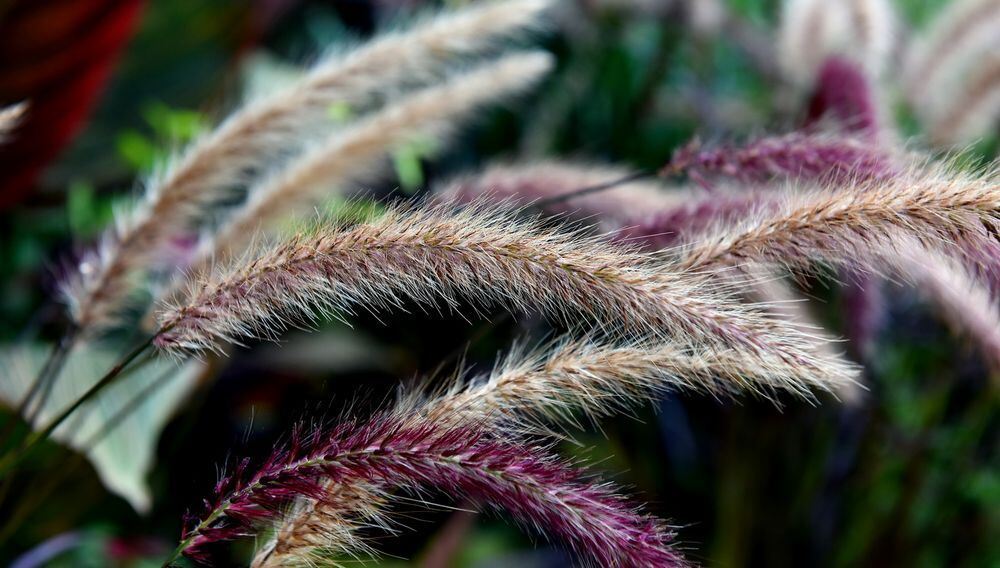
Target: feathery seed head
[[521, 185], [358, 151], [10, 118], [813, 30], [936, 58], [670, 226], [844, 92], [798, 156], [857, 224], [484, 257], [265, 132], [599, 379], [399, 451]]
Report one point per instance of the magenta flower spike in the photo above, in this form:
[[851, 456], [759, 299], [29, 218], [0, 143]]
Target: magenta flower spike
[[843, 93], [798, 156], [397, 452]]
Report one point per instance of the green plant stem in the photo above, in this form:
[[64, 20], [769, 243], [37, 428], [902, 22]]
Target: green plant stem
[[12, 460], [43, 382], [49, 374]]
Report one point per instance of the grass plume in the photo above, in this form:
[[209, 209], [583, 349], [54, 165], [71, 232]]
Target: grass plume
[[972, 112], [435, 258], [10, 118], [178, 196], [521, 185], [400, 451], [360, 149], [600, 379], [799, 156], [854, 224], [958, 33]]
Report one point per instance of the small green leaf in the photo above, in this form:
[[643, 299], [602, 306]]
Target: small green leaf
[[406, 161], [137, 150], [80, 208], [339, 112], [174, 125]]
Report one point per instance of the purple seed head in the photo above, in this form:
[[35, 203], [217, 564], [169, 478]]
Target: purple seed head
[[843, 94], [798, 156], [678, 224], [398, 452]]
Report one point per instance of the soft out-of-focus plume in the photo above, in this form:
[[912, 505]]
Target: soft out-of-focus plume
[[399, 452], [813, 30], [964, 302], [481, 257], [798, 156], [599, 380], [359, 150], [521, 185], [666, 227], [938, 58], [10, 118], [940, 207], [844, 94], [264, 130], [974, 110]]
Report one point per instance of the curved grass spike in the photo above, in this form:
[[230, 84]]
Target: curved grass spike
[[547, 182], [530, 393], [939, 207], [264, 129], [960, 32], [358, 150], [403, 451], [798, 156], [434, 258], [597, 379]]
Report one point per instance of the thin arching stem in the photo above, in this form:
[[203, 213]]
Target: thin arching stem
[[11, 460], [563, 197], [49, 374]]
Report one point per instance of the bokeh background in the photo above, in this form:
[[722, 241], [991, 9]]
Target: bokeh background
[[907, 476]]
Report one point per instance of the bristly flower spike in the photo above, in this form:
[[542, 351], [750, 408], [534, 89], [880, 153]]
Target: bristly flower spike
[[358, 151], [402, 452], [435, 258], [265, 130], [524, 185], [348, 155], [797, 156]]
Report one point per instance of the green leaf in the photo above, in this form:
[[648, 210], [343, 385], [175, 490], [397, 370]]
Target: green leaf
[[137, 150], [80, 208], [339, 112], [122, 456], [174, 125], [406, 159]]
